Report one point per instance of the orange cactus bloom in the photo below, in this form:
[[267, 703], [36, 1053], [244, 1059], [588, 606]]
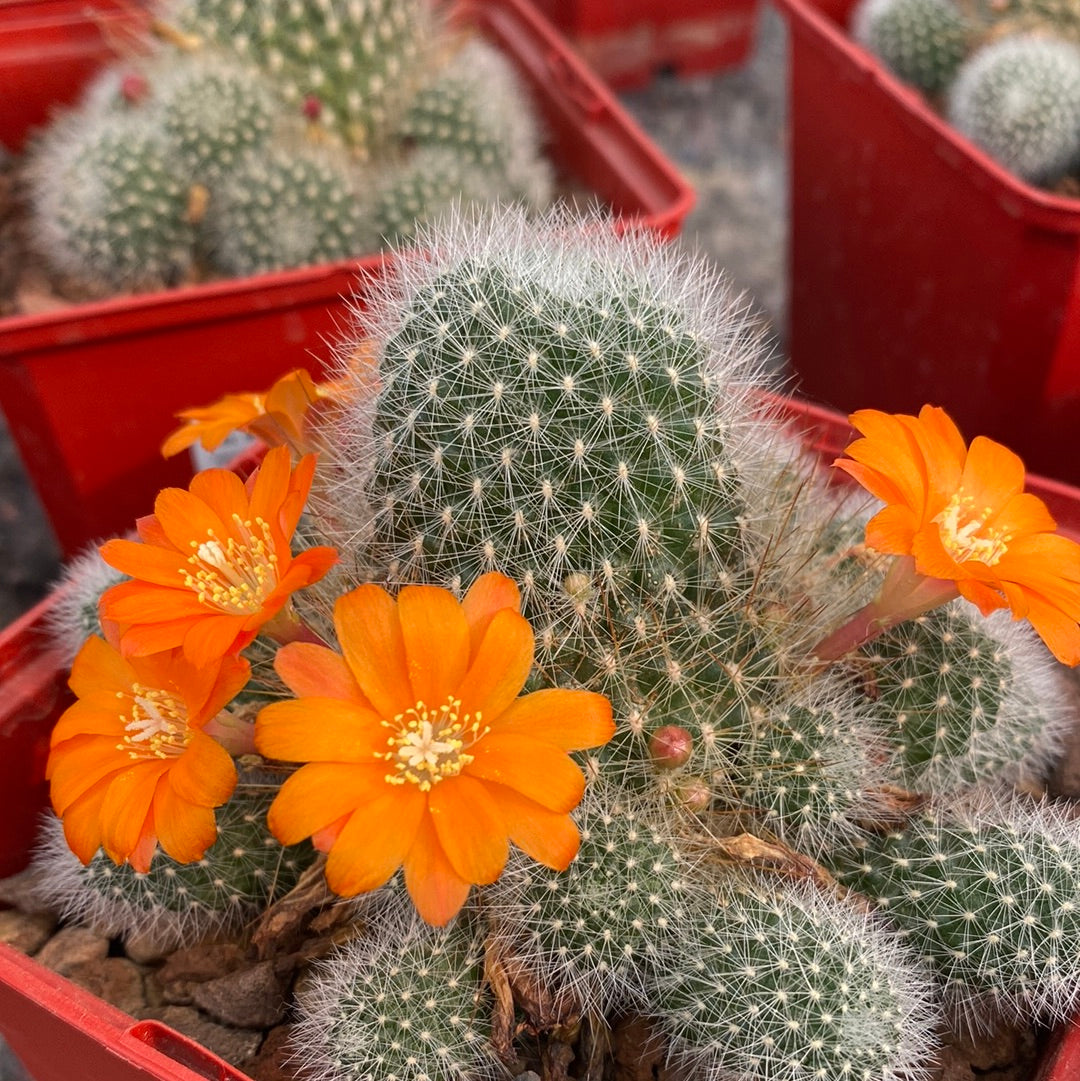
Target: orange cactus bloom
[[419, 751], [130, 766], [279, 417], [962, 516], [214, 564]]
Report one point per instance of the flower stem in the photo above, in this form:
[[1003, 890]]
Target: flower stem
[[905, 594], [288, 627]]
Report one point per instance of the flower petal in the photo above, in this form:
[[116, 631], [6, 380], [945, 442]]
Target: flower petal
[[127, 805], [76, 765], [1060, 632], [320, 793], [571, 720], [892, 530], [993, 474], [147, 562], [223, 492], [209, 639], [84, 718], [500, 667], [308, 669], [369, 631], [546, 836], [436, 889], [374, 841], [98, 672], [204, 775], [82, 821], [184, 831], [436, 639], [184, 518], [470, 828], [490, 593], [537, 770], [320, 730]]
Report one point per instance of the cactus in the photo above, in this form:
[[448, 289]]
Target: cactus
[[352, 65], [1019, 99], [211, 111], [781, 983], [432, 179], [176, 904], [73, 615], [592, 932], [987, 892], [477, 108], [971, 698], [109, 207], [923, 41], [404, 1002], [285, 208]]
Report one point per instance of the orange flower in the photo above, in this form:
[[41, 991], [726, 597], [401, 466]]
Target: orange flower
[[420, 752], [280, 417], [961, 519], [214, 563], [130, 765]]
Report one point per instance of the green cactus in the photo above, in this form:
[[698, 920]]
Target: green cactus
[[351, 65], [970, 697], [777, 982], [211, 111], [173, 903], [923, 41], [476, 108], [428, 182], [1019, 99], [987, 892], [403, 1002], [285, 207], [108, 205], [593, 931], [73, 615]]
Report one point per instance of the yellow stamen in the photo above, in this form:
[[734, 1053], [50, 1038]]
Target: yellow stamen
[[235, 576], [431, 744], [157, 727], [964, 534]]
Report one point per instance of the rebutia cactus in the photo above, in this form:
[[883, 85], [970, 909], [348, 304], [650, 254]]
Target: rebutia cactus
[[283, 209], [1019, 99], [407, 1004], [922, 41], [576, 411], [173, 903], [989, 894], [109, 205], [357, 61]]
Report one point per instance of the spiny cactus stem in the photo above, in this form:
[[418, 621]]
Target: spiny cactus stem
[[905, 594]]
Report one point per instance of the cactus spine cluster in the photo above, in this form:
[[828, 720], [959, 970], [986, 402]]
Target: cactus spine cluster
[[278, 134], [772, 851]]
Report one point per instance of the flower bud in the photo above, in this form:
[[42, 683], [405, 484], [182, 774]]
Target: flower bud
[[693, 794], [670, 747]]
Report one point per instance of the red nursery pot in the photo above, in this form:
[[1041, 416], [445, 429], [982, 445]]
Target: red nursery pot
[[920, 270], [90, 391], [50, 1023], [628, 41], [49, 49]]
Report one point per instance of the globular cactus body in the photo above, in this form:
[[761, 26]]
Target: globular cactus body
[[173, 903], [922, 41], [408, 1005], [1019, 99]]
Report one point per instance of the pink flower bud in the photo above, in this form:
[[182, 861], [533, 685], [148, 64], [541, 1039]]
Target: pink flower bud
[[670, 747], [312, 107], [134, 87]]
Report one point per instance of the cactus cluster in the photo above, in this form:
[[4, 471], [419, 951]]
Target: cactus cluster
[[276, 134], [1006, 74], [795, 870]]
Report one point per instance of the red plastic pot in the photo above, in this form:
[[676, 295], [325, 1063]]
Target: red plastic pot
[[628, 41], [52, 1024], [920, 270], [90, 392], [48, 51]]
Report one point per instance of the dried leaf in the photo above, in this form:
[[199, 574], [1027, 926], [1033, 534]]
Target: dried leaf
[[283, 927]]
